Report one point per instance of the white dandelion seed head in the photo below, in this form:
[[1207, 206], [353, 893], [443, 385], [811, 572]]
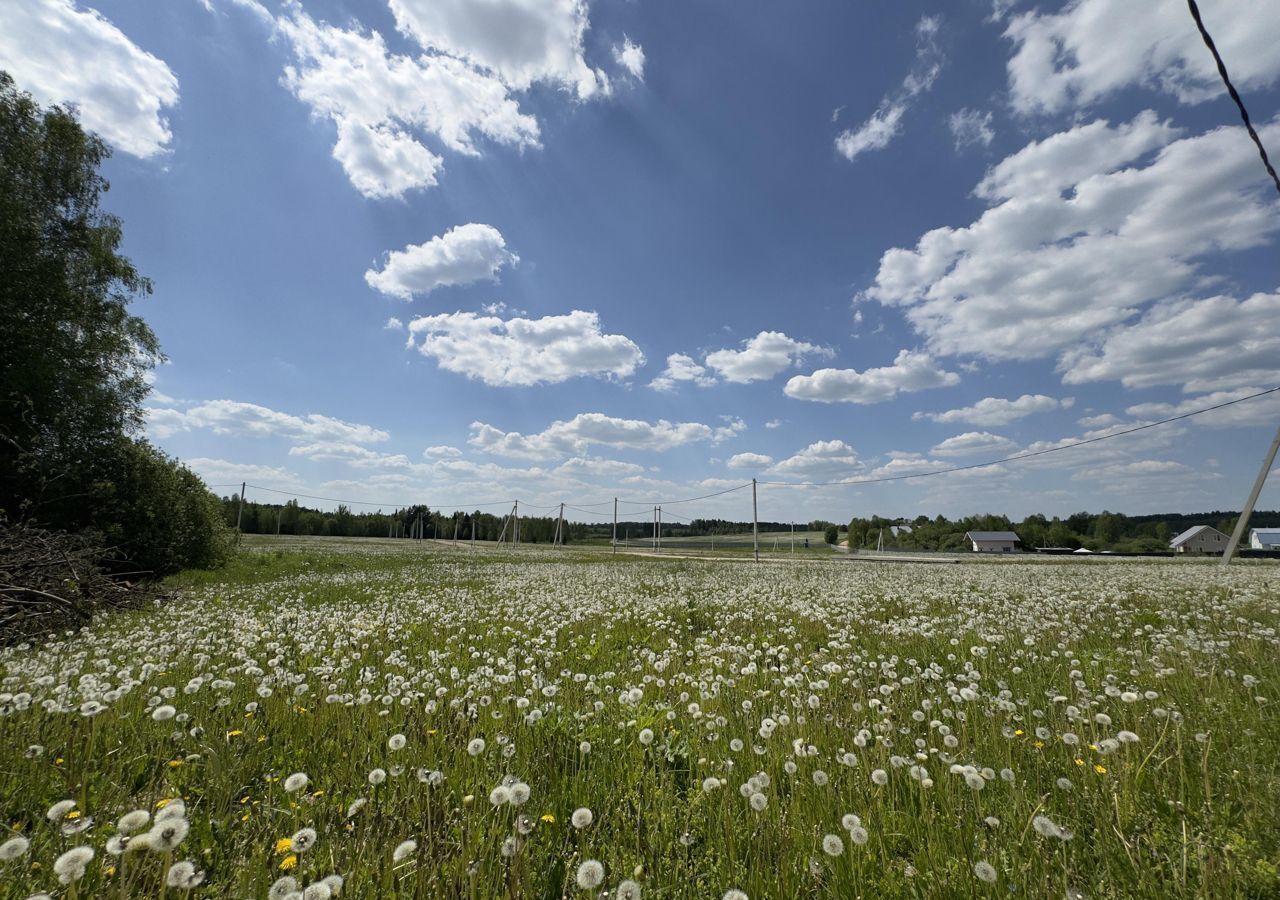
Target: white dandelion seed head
[[317, 891], [820, 778], [132, 821], [590, 875], [499, 796], [282, 887], [985, 871], [519, 794], [759, 802], [403, 850], [646, 736], [859, 835], [584, 747], [14, 848], [582, 817], [627, 890], [59, 810], [70, 866], [377, 777], [304, 839], [335, 883], [396, 742], [296, 782], [880, 777], [849, 821], [183, 875], [832, 845], [735, 894], [172, 809], [163, 713], [476, 746], [167, 834]]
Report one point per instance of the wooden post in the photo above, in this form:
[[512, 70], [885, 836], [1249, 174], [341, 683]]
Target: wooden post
[[515, 531], [1245, 513], [456, 523], [793, 538], [615, 526], [240, 511], [659, 529], [473, 530], [755, 523]]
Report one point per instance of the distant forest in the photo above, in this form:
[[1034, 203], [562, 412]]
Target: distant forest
[[1093, 531]]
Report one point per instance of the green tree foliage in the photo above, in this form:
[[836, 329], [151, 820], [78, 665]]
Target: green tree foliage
[[74, 360]]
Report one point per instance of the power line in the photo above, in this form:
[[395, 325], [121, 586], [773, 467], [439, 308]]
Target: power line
[[1231, 89], [1021, 456]]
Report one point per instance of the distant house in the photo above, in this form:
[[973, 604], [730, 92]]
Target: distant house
[[1264, 538], [899, 530], [993, 541], [1200, 539]]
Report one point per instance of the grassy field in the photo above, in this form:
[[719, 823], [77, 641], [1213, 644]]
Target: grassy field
[[377, 720]]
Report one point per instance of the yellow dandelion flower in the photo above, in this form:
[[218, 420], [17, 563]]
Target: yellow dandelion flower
[[1038, 744], [1101, 770], [235, 732], [109, 871], [59, 761], [244, 818], [175, 763], [261, 738], [289, 862], [318, 794], [284, 845], [549, 819], [1079, 762], [432, 730], [161, 804], [1019, 733], [74, 814]]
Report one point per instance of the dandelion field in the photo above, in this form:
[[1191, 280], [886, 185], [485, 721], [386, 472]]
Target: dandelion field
[[374, 720]]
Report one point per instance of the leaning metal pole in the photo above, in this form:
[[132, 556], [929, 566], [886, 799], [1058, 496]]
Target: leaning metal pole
[[1258, 482]]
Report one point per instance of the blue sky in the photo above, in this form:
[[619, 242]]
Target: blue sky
[[467, 250]]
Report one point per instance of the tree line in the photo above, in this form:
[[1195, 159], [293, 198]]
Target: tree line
[[1093, 531]]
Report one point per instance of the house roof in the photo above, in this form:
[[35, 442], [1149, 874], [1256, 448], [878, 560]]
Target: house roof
[[1192, 532], [1268, 533], [992, 536]]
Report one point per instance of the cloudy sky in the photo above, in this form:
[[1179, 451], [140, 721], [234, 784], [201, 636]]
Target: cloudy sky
[[461, 251]]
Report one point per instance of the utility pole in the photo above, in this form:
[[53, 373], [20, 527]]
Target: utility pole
[[456, 522], [515, 532], [653, 541], [1245, 513], [240, 511], [615, 526], [755, 523], [279, 518], [659, 529], [473, 530], [793, 538]]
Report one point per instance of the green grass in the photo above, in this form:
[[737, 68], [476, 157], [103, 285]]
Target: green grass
[[452, 645]]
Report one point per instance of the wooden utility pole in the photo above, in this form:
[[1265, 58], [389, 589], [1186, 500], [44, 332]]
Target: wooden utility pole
[[615, 526], [653, 541], [1245, 513], [755, 524], [473, 530], [515, 531], [793, 538], [456, 522], [659, 529], [240, 511]]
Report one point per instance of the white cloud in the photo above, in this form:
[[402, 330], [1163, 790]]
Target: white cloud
[[1099, 421], [520, 41], [758, 358], [1094, 48], [974, 443], [884, 124], [970, 127], [234, 417], [749, 461], [221, 471], [1142, 475], [1204, 345], [997, 410], [381, 104], [352, 454], [509, 352], [575, 436], [1048, 267], [1262, 411], [773, 423], [462, 255], [762, 356], [590, 467], [681, 368], [830, 460], [393, 324], [912, 370], [631, 57], [442, 451], [61, 54]]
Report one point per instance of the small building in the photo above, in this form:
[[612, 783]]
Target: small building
[[1264, 538], [993, 541], [1200, 539], [899, 530]]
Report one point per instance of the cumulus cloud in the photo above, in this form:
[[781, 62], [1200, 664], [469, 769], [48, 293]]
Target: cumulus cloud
[[884, 124], [462, 255], [912, 370], [442, 451], [970, 127], [517, 351], [997, 410], [830, 460], [681, 367], [749, 461], [234, 417], [974, 443], [573, 437], [520, 41], [756, 359], [221, 471], [1091, 49], [1262, 411], [383, 104], [1060, 259], [61, 54], [631, 57], [1204, 345]]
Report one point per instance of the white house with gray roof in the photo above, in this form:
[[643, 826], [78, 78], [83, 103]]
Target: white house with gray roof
[[1264, 538], [993, 541], [1200, 539]]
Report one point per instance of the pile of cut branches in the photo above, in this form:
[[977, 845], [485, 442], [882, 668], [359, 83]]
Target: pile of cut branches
[[51, 580]]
